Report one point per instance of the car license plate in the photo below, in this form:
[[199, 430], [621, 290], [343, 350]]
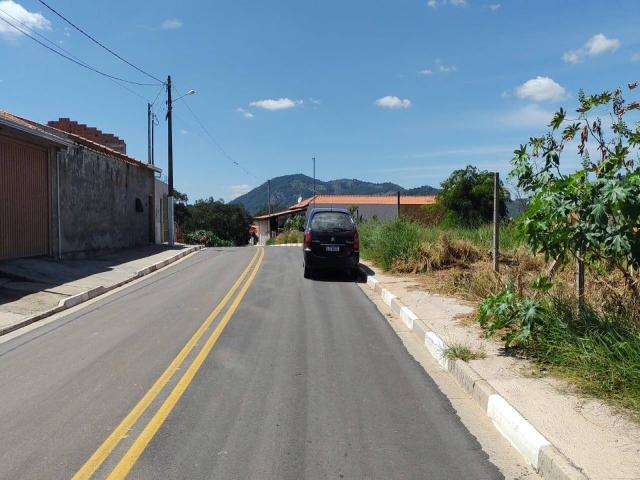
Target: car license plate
[[333, 248]]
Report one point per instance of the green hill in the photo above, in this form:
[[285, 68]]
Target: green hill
[[286, 190]]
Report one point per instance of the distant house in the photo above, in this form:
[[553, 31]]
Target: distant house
[[62, 193], [363, 206]]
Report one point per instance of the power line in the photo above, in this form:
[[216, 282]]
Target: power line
[[71, 59], [98, 43], [59, 47], [158, 95], [217, 144]]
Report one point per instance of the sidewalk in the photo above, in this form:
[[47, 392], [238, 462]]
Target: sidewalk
[[602, 443], [34, 288]]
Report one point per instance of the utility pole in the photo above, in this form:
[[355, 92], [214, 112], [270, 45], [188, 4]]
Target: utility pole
[[314, 181], [149, 137], [269, 204], [172, 232], [153, 127], [496, 222], [269, 195]]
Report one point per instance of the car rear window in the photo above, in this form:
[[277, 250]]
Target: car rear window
[[331, 221]]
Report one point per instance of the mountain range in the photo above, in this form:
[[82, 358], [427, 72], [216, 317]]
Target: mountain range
[[286, 190]]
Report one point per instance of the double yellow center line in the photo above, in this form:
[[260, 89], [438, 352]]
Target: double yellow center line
[[129, 459]]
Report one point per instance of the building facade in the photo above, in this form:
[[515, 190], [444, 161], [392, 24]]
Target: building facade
[[64, 195]]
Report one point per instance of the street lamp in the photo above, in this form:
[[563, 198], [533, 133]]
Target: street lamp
[[172, 233]]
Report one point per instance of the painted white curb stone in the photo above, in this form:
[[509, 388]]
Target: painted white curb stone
[[524, 437]]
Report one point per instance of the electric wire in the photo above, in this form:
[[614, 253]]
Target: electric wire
[[71, 59], [70, 54], [99, 43], [217, 144]]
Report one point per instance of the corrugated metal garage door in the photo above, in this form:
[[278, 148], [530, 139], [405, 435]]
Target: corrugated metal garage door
[[24, 200]]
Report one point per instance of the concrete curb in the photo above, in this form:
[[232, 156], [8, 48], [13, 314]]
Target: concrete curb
[[74, 300], [524, 437]]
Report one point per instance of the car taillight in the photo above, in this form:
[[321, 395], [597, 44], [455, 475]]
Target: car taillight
[[356, 241], [307, 239]]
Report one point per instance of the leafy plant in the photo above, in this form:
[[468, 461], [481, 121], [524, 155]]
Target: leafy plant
[[519, 316], [295, 223], [592, 214]]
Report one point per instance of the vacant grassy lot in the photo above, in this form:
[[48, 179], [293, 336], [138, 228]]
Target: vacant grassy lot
[[597, 349]]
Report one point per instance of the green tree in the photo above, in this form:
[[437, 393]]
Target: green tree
[[226, 221], [467, 197], [593, 213], [181, 208]]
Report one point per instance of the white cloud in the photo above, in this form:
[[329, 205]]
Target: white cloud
[[438, 68], [571, 56], [442, 3], [245, 113], [541, 89], [442, 68], [529, 116], [184, 132], [276, 104], [635, 57], [600, 44], [394, 102], [237, 190], [171, 24], [314, 101], [34, 20], [596, 45], [494, 6]]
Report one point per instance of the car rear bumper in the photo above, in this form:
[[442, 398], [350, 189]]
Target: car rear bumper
[[331, 263]]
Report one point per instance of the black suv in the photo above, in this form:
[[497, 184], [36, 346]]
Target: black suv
[[331, 241]]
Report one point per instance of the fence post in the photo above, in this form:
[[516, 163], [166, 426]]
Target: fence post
[[580, 283], [398, 204], [496, 222]]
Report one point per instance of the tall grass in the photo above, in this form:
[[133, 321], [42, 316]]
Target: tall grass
[[598, 351], [404, 242]]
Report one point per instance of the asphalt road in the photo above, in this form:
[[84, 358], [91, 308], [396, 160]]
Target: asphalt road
[[293, 379]]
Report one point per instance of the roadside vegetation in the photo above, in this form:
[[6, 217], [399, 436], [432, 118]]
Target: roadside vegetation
[[591, 215], [212, 222], [293, 231]]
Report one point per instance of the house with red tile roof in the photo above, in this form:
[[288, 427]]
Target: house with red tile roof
[[363, 206]]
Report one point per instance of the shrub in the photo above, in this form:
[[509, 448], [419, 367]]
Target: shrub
[[518, 316], [295, 223], [207, 238]]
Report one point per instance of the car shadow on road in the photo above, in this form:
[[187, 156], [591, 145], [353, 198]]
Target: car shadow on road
[[338, 276]]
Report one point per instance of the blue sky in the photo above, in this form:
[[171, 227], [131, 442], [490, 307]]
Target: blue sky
[[403, 90]]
